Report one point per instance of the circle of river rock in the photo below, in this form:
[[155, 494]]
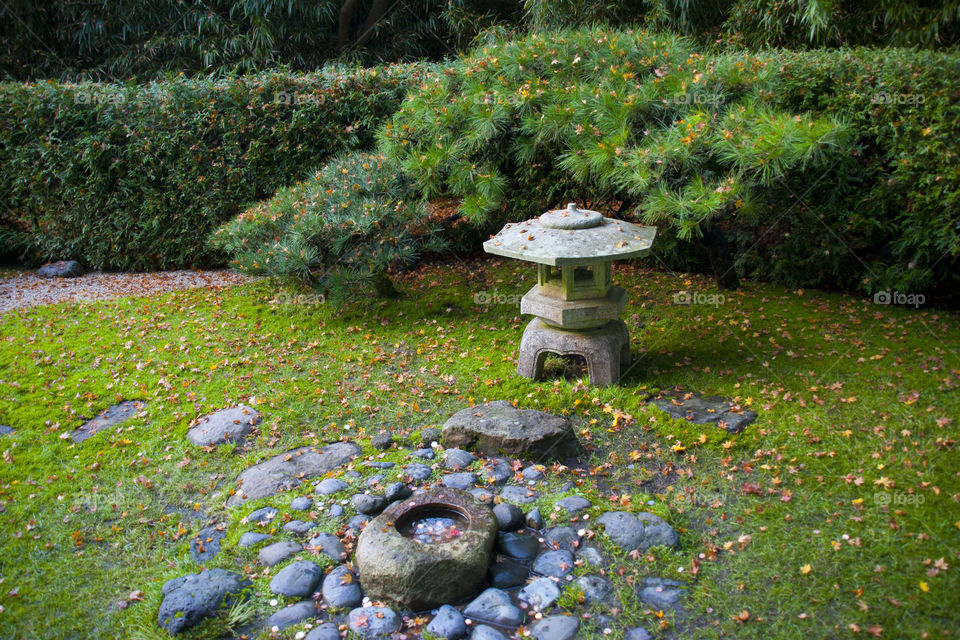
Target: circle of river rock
[[531, 565]]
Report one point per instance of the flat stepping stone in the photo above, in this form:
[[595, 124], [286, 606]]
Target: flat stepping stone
[[706, 410], [484, 632], [561, 538], [233, 424], [518, 545], [373, 622], [111, 417], [458, 459], [206, 544], [375, 479], [592, 556], [558, 627], [382, 440], [507, 573], [262, 515], [595, 589], [640, 531], [368, 504], [497, 427], [358, 522], [275, 553], [335, 511], [326, 631], [463, 480], [540, 594], [554, 564], [534, 472], [494, 607], [329, 545], [574, 504], [297, 580], [251, 539], [424, 454], [303, 503], [330, 486], [289, 616], [61, 269], [379, 464], [662, 593], [298, 527], [448, 623], [519, 495], [340, 588], [397, 491], [288, 470], [497, 472], [418, 471], [189, 599]]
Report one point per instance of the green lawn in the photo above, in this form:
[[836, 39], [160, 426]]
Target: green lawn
[[787, 525]]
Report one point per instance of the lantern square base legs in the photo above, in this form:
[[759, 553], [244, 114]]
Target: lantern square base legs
[[605, 349]]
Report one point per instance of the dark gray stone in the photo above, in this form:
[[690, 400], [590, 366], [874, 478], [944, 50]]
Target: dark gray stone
[[275, 553], [251, 539], [448, 623], [189, 599], [592, 556], [463, 480], [380, 464], [375, 479], [518, 545], [518, 495], [335, 511], [368, 504], [341, 589], [297, 580], [358, 522], [458, 459], [418, 471], [206, 544], [554, 564], [484, 632], [287, 470], [429, 435], [497, 472], [558, 627], [232, 424], [534, 520], [561, 538], [303, 503], [396, 491], [595, 589], [326, 631], [706, 410], [662, 593], [298, 527], [61, 269], [540, 593], [373, 622], [5, 430], [483, 495], [263, 515], [330, 486], [533, 472], [288, 616], [498, 428], [330, 545], [111, 417], [506, 573], [574, 504], [640, 531], [494, 606], [382, 440], [509, 517], [424, 454]]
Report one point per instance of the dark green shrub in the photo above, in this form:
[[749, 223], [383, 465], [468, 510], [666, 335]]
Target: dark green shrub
[[340, 232], [136, 176]]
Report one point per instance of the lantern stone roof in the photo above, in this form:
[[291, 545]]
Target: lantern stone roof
[[571, 236]]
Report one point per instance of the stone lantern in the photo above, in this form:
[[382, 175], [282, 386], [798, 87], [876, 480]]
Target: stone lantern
[[576, 305]]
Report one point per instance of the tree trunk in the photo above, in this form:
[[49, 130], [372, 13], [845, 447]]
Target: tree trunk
[[347, 18], [377, 11], [721, 259]]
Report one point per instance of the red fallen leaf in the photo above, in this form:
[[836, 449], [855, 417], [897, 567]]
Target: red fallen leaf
[[742, 617], [752, 488], [694, 567], [876, 631]]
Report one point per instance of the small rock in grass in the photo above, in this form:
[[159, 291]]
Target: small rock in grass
[[495, 607], [189, 599], [458, 459], [574, 504], [61, 269], [375, 479], [368, 504], [329, 545], [497, 472], [5, 430], [592, 556], [298, 527], [637, 634], [303, 503], [297, 580], [250, 539], [357, 523], [335, 511], [554, 564], [481, 494], [418, 471], [533, 472], [340, 588], [448, 623], [561, 538], [463, 480], [509, 517], [424, 454], [277, 552], [483, 632], [534, 520], [558, 627], [382, 440], [396, 491], [380, 464], [232, 424], [330, 486], [595, 589], [326, 631], [640, 531], [518, 495], [540, 594], [373, 622], [662, 593], [291, 615], [206, 544], [266, 514], [429, 435]]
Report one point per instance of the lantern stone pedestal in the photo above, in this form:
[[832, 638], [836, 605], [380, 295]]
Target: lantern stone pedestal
[[576, 304], [606, 349]]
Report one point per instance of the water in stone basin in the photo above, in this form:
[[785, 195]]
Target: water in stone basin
[[434, 530]]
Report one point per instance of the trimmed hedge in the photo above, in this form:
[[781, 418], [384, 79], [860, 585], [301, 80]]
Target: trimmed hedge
[[135, 177]]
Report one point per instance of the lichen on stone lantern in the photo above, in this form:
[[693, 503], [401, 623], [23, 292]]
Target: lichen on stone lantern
[[576, 304]]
